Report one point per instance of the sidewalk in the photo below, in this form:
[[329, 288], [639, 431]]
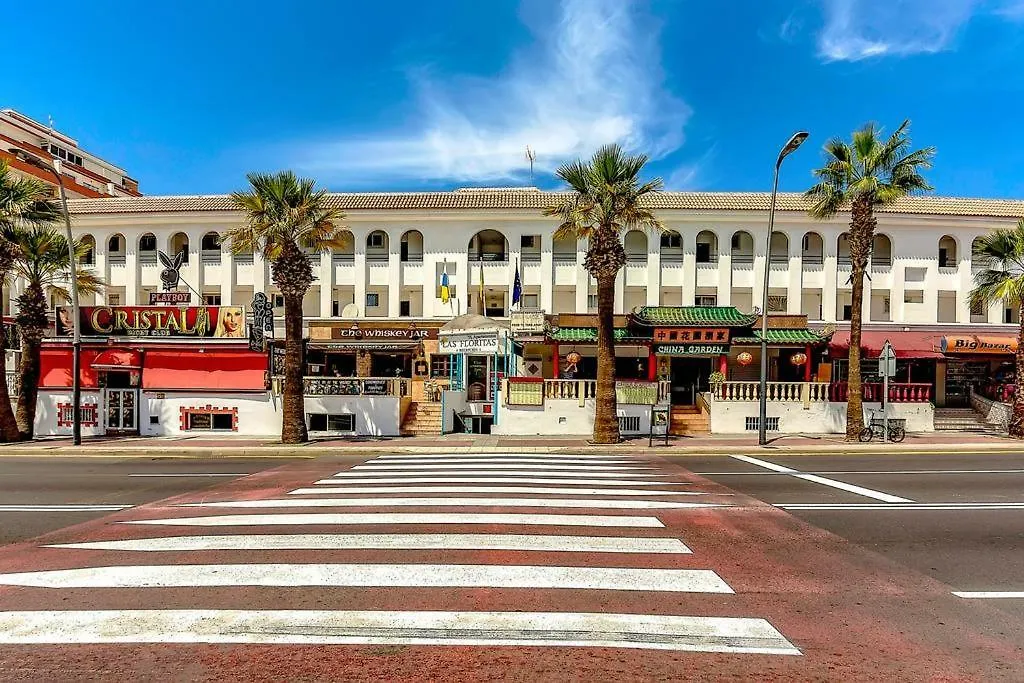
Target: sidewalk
[[226, 446]]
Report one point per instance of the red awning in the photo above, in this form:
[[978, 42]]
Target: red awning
[[117, 359], [905, 344], [204, 369]]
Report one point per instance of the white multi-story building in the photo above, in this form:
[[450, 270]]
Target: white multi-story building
[[713, 254], [85, 175], [386, 353]]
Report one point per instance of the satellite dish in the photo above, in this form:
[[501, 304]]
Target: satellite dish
[[350, 311]]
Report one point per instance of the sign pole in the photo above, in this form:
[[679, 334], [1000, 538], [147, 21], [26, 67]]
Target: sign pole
[[887, 368]]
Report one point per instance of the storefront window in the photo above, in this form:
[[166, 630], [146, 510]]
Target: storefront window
[[391, 365], [440, 366]]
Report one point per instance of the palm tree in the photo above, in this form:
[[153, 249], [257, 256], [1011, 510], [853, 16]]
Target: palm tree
[[22, 202], [285, 219], [42, 265], [1000, 257], [606, 199], [867, 173]]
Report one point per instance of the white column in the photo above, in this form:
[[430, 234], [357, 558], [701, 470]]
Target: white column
[[131, 270], [897, 310], [654, 271], [830, 268], [620, 291], [582, 277], [461, 281], [515, 256], [547, 274], [431, 283], [195, 264], [931, 291], [361, 273], [865, 308], [794, 288], [965, 282], [725, 277], [394, 275], [102, 268], [689, 286], [757, 290], [260, 274], [326, 278]]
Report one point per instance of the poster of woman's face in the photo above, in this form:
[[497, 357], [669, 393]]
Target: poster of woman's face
[[230, 322], [65, 325]]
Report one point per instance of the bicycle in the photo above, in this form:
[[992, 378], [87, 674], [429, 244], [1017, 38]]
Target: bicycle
[[876, 428]]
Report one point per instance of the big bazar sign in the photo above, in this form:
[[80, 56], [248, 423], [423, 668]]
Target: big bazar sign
[[225, 322]]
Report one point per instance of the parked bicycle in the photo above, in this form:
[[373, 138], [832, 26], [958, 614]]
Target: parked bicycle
[[876, 428]]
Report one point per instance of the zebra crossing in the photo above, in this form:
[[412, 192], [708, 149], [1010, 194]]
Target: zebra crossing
[[411, 513]]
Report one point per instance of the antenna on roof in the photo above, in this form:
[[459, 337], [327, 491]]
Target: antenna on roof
[[531, 156]]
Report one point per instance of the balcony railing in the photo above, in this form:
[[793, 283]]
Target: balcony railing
[[776, 392], [245, 259], [564, 257], [534, 391], [210, 257], [899, 392], [147, 258], [349, 386]]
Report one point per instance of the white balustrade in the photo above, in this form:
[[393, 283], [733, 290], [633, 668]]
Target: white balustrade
[[775, 392]]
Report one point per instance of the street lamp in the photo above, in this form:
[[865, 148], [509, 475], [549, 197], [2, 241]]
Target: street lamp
[[76, 343], [762, 423]]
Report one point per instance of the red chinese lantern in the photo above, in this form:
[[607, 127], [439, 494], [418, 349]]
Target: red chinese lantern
[[744, 358], [798, 358]]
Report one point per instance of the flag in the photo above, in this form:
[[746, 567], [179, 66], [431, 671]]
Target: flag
[[517, 287], [445, 292]]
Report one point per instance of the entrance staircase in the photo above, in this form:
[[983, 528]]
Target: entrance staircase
[[689, 421], [422, 419], [961, 420]]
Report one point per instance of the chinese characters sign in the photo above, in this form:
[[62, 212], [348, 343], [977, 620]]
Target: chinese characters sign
[[227, 322], [698, 334]]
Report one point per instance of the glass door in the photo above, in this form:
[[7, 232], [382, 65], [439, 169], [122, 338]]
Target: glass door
[[122, 410]]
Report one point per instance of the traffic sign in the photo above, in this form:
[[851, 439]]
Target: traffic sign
[[887, 361]]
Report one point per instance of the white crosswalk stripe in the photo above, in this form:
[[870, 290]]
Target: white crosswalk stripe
[[524, 542], [492, 489], [413, 562], [624, 504]]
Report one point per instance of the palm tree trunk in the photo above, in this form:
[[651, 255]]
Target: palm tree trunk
[[8, 423], [1017, 418], [293, 424], [606, 421], [26, 415], [862, 229]]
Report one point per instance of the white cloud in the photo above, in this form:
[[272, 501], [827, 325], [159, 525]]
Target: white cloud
[[593, 77], [859, 29]]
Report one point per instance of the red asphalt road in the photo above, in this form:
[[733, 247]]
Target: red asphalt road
[[853, 614]]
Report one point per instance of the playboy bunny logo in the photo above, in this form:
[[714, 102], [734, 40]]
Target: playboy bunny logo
[[169, 276]]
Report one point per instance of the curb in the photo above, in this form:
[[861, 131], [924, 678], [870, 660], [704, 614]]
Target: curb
[[314, 451]]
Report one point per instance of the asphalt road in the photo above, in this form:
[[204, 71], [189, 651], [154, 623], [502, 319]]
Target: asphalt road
[[850, 562], [93, 487], [969, 547]]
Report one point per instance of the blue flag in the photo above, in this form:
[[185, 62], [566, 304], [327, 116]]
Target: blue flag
[[445, 290], [517, 287]]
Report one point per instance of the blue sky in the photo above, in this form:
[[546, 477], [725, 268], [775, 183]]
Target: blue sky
[[405, 94]]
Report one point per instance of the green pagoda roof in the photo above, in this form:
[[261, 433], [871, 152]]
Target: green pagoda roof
[[693, 316], [800, 336], [582, 335]]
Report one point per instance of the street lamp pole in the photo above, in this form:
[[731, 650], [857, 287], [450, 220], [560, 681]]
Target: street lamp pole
[[76, 340], [762, 422]]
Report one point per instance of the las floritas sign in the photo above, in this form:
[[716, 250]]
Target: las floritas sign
[[474, 344]]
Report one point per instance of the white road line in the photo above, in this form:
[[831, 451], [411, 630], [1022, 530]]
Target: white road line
[[321, 627], [764, 474], [610, 504], [376, 576], [900, 506], [989, 594], [194, 474], [506, 473], [524, 542], [493, 479], [516, 461], [542, 467], [63, 508], [493, 489], [859, 490], [301, 519], [539, 456]]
